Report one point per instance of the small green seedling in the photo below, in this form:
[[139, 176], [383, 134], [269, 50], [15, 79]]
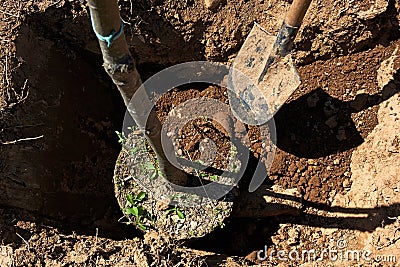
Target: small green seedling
[[134, 208], [154, 171], [214, 177], [176, 210], [208, 176], [200, 162], [121, 137]]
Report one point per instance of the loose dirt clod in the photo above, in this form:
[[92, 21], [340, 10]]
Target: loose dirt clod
[[212, 4]]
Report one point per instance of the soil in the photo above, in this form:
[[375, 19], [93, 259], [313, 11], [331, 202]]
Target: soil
[[337, 135]]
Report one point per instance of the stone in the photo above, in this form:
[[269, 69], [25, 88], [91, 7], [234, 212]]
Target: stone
[[212, 4], [359, 102], [312, 162], [331, 122], [330, 109], [346, 183], [312, 100], [341, 135]]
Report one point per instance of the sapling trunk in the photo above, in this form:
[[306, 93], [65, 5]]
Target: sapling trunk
[[120, 66]]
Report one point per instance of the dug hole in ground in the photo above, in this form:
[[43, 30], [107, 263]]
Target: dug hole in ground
[[337, 150]]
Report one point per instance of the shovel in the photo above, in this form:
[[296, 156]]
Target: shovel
[[263, 75]]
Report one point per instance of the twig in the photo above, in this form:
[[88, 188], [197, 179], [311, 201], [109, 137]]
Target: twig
[[21, 96], [23, 239], [21, 140]]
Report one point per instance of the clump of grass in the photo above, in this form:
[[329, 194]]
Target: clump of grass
[[134, 207]]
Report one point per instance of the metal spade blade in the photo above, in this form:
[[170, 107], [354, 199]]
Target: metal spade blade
[[260, 79]]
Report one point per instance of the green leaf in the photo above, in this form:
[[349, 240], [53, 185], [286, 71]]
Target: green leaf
[[130, 199], [132, 211], [139, 223], [141, 196], [153, 175], [180, 214], [121, 137], [214, 177], [149, 166]]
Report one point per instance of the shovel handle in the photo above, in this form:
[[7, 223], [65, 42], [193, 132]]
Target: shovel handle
[[296, 13], [285, 38]]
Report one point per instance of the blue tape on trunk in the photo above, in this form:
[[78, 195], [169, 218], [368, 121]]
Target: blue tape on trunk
[[111, 37]]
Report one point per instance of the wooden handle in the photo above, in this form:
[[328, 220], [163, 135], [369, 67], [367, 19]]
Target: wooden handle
[[297, 12]]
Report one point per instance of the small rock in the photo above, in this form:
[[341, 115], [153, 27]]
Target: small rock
[[293, 234], [336, 162], [239, 127], [252, 256], [312, 100], [359, 102], [346, 183], [193, 224], [330, 109], [292, 168], [312, 162], [162, 205], [212, 4], [341, 135], [331, 122], [180, 152]]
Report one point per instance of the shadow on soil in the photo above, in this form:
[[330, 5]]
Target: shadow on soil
[[67, 174], [317, 125]]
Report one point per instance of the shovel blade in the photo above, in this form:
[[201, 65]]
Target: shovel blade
[[258, 87]]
